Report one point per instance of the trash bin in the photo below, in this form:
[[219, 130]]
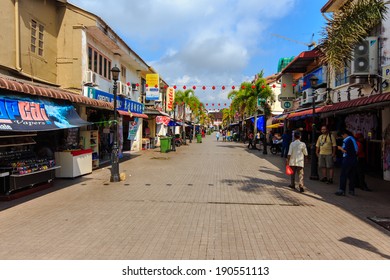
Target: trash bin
[[165, 144], [199, 138]]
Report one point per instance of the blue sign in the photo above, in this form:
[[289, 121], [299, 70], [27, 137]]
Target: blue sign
[[35, 114], [122, 103]]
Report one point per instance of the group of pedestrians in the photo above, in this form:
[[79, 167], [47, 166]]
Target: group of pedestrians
[[352, 164]]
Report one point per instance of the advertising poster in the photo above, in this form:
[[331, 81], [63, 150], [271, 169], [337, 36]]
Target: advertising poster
[[133, 128]]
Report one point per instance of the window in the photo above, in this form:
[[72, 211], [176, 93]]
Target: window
[[342, 77], [37, 37], [98, 63], [123, 72]]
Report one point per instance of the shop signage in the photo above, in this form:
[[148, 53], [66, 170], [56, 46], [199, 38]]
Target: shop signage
[[152, 90], [36, 114], [170, 99], [286, 105], [123, 104]]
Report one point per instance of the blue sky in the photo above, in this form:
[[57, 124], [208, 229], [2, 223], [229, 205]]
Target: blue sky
[[211, 42]]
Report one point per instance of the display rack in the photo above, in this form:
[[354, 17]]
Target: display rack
[[90, 140], [19, 165]]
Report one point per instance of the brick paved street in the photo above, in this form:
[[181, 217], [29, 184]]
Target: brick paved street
[[214, 200]]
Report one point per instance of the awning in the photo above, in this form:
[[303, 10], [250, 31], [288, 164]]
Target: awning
[[131, 114], [362, 102], [305, 113], [17, 85], [27, 113], [281, 117], [275, 125], [175, 123], [301, 62], [154, 112]]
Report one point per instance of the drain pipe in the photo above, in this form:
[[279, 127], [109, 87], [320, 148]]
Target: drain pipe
[[17, 37]]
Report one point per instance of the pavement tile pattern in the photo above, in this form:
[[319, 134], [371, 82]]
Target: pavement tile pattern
[[209, 200]]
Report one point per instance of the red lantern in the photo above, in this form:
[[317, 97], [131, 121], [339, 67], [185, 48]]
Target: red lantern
[[165, 86], [146, 85], [184, 87], [263, 86], [253, 86], [233, 87], [207, 104], [274, 86], [213, 87], [243, 87], [294, 84], [212, 104], [155, 86], [225, 104], [304, 84], [174, 86], [137, 85], [128, 84], [194, 87], [223, 87], [219, 104], [203, 87], [284, 85]]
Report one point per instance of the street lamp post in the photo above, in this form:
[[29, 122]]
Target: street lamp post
[[314, 159], [173, 144], [114, 152]]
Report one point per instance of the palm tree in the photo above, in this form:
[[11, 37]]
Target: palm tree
[[349, 25]]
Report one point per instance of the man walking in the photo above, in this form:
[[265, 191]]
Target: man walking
[[295, 158], [326, 152]]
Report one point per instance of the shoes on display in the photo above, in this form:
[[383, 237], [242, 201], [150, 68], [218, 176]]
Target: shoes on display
[[324, 179]]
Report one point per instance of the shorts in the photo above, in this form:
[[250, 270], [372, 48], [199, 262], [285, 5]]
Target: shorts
[[325, 161]]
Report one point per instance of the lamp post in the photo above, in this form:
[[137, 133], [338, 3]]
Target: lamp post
[[314, 159], [173, 144], [114, 152]]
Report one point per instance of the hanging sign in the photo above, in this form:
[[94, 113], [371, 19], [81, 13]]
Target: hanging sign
[[152, 91], [170, 99]]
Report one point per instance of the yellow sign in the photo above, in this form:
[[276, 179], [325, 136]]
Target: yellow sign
[[152, 80]]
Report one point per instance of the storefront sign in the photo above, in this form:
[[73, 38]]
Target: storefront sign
[[170, 99], [152, 90], [36, 114], [123, 104], [162, 120]]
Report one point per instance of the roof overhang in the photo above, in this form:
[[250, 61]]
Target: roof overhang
[[333, 5], [301, 62]]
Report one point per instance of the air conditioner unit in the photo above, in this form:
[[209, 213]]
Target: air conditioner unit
[[365, 57], [320, 95], [307, 97], [90, 77], [123, 89], [134, 87]]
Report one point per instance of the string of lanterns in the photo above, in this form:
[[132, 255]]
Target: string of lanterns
[[215, 87]]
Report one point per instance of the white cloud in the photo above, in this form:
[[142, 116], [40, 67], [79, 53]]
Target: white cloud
[[195, 42]]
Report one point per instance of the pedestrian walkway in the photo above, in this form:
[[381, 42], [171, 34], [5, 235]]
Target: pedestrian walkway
[[209, 200]]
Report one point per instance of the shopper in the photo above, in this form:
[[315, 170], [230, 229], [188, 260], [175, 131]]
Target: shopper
[[217, 135], [326, 153], [296, 159], [286, 137], [361, 163], [349, 163], [250, 140]]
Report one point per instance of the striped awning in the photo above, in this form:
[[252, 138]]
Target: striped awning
[[131, 114], [16, 85]]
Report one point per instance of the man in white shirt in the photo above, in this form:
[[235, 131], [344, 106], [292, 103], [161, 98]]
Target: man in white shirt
[[296, 159]]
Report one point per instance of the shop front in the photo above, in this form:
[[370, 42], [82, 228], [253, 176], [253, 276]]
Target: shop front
[[130, 116], [32, 130]]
